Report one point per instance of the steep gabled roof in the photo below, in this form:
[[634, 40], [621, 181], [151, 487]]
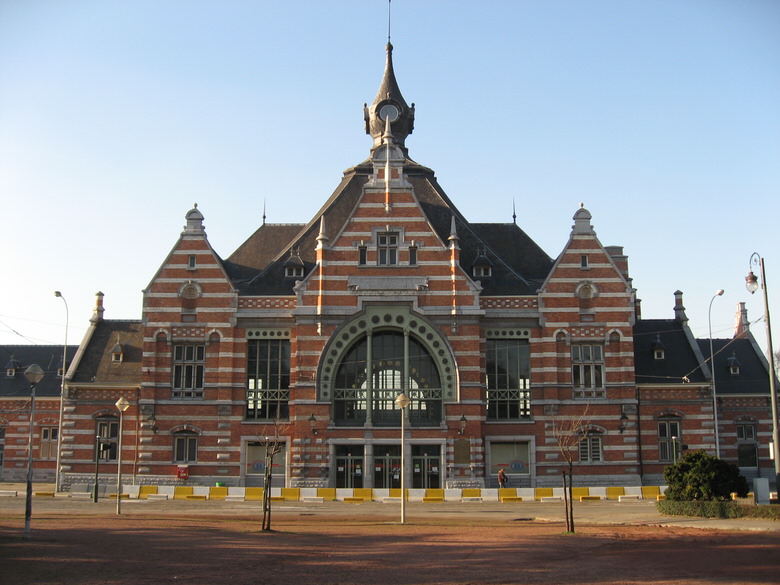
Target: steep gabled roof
[[683, 361], [753, 376], [18, 357], [97, 365]]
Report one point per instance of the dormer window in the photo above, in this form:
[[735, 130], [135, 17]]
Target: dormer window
[[117, 353], [293, 268], [11, 367], [10, 372], [733, 364], [483, 267], [659, 351]]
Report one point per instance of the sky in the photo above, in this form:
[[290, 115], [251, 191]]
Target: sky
[[662, 118]]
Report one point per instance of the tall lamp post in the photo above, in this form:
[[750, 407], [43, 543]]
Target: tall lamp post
[[122, 405], [34, 374], [751, 282], [402, 401], [57, 486], [718, 293]]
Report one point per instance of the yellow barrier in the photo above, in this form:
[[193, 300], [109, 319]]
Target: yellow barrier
[[540, 493], [145, 490], [218, 493], [181, 492], [253, 494], [613, 493], [327, 494]]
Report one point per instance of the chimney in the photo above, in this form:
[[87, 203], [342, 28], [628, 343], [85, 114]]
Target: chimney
[[620, 259], [679, 309], [741, 325], [97, 313]]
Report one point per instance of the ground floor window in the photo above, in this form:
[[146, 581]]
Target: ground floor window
[[49, 442], [185, 447], [669, 440], [511, 456], [106, 435], [591, 449], [256, 464]]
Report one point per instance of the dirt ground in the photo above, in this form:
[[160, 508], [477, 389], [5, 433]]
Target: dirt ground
[[350, 548]]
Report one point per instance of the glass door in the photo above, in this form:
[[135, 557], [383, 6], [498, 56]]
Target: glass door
[[349, 466], [387, 466], [426, 466]]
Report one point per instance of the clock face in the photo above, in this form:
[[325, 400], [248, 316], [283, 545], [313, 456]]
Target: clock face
[[388, 112]]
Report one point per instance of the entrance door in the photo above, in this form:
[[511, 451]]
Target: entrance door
[[349, 466], [426, 466], [387, 466], [255, 465]]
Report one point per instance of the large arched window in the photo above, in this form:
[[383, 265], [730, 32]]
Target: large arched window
[[375, 358], [376, 369]]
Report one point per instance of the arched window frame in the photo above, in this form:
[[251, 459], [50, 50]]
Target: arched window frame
[[376, 320]]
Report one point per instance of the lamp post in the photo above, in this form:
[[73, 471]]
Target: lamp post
[[34, 374], [402, 401], [98, 446], [122, 405], [718, 293], [751, 282], [62, 392]]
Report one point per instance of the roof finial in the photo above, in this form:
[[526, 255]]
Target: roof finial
[[514, 215], [388, 20], [263, 211]]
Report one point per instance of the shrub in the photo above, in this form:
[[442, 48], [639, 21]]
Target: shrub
[[698, 476]]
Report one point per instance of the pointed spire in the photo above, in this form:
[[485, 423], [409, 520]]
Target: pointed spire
[[454, 239], [390, 105], [322, 238], [514, 214]]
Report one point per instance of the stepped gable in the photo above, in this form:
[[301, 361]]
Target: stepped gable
[[753, 376], [680, 357], [97, 364]]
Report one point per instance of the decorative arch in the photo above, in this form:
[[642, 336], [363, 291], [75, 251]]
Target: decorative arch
[[377, 355], [669, 413], [185, 428]]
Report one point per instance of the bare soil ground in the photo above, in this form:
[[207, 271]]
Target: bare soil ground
[[349, 548]]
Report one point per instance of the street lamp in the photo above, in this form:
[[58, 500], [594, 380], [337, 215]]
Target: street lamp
[[62, 392], [402, 401], [122, 405], [751, 282], [34, 374], [718, 293]]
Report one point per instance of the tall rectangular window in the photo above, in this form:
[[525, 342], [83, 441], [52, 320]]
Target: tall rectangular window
[[106, 435], [268, 379], [185, 447], [387, 248], [49, 442], [507, 362], [591, 449], [189, 362], [587, 370], [669, 440]]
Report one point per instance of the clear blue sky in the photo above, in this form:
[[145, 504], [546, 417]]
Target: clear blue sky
[[663, 117]]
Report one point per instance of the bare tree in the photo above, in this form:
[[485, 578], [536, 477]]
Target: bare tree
[[568, 433], [273, 446]]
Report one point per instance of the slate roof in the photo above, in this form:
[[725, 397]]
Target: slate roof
[[96, 364], [18, 357], [519, 264], [753, 377], [680, 354]]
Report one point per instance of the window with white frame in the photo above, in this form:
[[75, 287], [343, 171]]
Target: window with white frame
[[587, 370], [189, 363]]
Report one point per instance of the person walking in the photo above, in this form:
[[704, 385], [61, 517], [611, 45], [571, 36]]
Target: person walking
[[502, 479]]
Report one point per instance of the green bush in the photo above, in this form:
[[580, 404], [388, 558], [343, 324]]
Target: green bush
[[717, 509], [698, 476]]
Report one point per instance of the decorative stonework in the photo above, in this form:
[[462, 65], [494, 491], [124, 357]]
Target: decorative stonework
[[266, 303], [508, 303]]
